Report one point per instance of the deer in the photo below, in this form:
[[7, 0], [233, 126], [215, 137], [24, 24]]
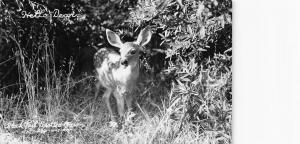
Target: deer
[[119, 72]]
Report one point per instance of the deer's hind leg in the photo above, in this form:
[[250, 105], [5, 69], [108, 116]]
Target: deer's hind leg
[[98, 85], [128, 99]]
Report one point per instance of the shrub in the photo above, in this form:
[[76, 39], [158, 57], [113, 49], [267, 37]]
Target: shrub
[[196, 39]]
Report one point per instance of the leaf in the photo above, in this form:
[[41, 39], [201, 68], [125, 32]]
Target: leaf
[[202, 32], [190, 29], [180, 2], [200, 10]]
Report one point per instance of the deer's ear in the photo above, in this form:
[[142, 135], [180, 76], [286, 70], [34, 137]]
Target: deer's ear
[[144, 36], [113, 39]]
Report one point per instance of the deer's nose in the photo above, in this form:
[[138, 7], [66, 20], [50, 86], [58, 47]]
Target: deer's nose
[[124, 62]]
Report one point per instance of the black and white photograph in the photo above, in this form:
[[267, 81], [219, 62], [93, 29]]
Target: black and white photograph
[[116, 72]]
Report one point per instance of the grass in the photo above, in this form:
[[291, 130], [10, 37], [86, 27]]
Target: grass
[[87, 122], [78, 118], [157, 129]]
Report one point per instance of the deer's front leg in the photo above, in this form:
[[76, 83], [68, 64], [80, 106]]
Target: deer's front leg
[[128, 100], [120, 102]]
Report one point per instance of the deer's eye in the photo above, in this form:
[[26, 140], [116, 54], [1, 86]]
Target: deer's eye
[[132, 52]]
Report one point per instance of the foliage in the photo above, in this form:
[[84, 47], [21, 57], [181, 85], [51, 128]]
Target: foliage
[[190, 32]]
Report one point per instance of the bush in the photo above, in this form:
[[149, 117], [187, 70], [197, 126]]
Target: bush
[[196, 38]]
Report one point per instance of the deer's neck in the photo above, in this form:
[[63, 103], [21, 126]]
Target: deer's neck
[[127, 75], [135, 65]]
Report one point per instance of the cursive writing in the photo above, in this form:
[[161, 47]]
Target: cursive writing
[[41, 11]]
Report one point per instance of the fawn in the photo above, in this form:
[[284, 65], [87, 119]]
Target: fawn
[[119, 73]]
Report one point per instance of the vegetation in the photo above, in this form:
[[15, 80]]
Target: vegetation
[[47, 78]]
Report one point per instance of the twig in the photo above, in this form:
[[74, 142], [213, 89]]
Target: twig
[[11, 85], [7, 60]]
